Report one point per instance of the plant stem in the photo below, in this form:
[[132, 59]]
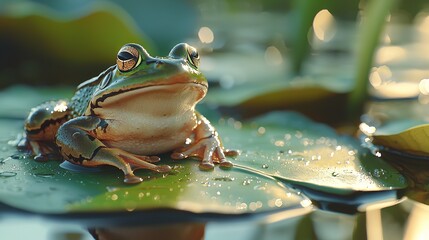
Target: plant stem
[[304, 15], [371, 28]]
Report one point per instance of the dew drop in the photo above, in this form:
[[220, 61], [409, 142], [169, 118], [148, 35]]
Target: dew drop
[[224, 179], [3, 160], [246, 182], [7, 174], [16, 156], [114, 197], [261, 130], [44, 175], [265, 166], [278, 202], [111, 189]]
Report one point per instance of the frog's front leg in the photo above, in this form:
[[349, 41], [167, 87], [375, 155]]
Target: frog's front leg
[[78, 144], [206, 146]]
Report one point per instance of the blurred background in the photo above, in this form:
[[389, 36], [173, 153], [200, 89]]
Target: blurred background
[[250, 49]]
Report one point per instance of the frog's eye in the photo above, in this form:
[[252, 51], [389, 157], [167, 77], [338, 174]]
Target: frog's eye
[[193, 56], [128, 58], [184, 51]]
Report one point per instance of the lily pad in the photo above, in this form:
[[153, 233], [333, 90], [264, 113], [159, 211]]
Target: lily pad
[[245, 99], [291, 147], [278, 148], [49, 189], [404, 136]]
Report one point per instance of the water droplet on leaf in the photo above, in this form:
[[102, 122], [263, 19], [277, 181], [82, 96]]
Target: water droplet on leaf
[[7, 174]]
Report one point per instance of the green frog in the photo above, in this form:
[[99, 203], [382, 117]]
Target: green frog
[[138, 108]]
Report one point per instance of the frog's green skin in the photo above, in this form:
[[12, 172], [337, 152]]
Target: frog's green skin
[[140, 107]]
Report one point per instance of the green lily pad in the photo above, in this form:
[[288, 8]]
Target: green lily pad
[[290, 147], [48, 188], [404, 136], [403, 142], [277, 148], [250, 93]]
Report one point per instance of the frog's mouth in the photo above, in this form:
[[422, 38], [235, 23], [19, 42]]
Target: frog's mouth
[[179, 87]]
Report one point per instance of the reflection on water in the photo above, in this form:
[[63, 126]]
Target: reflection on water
[[326, 222], [407, 220], [417, 225]]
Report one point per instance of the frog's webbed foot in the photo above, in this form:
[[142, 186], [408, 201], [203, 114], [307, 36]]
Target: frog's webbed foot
[[142, 162], [209, 150], [125, 161], [45, 151], [42, 150], [89, 151]]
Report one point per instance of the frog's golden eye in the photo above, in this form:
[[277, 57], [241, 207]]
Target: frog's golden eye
[[193, 56], [128, 58]]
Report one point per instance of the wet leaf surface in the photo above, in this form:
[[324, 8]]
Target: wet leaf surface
[[48, 188], [291, 147]]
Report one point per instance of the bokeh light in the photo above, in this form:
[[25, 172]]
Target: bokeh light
[[273, 56], [324, 26], [206, 35]]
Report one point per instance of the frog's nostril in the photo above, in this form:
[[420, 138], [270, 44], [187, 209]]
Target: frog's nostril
[[158, 64]]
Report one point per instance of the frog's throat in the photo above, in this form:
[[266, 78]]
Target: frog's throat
[[96, 103]]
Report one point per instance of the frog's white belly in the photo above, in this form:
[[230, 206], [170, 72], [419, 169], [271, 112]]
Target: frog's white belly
[[160, 121], [147, 135]]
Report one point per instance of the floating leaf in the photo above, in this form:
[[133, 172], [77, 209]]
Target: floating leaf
[[49, 189], [406, 136], [323, 99], [288, 146]]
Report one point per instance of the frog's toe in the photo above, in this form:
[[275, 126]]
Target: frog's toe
[[41, 157], [231, 153], [206, 166], [178, 156], [162, 168], [132, 179], [150, 159], [225, 164]]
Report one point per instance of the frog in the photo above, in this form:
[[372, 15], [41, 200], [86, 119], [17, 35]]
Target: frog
[[130, 114]]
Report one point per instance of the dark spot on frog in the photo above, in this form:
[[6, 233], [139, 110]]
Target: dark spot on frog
[[103, 125], [91, 137]]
